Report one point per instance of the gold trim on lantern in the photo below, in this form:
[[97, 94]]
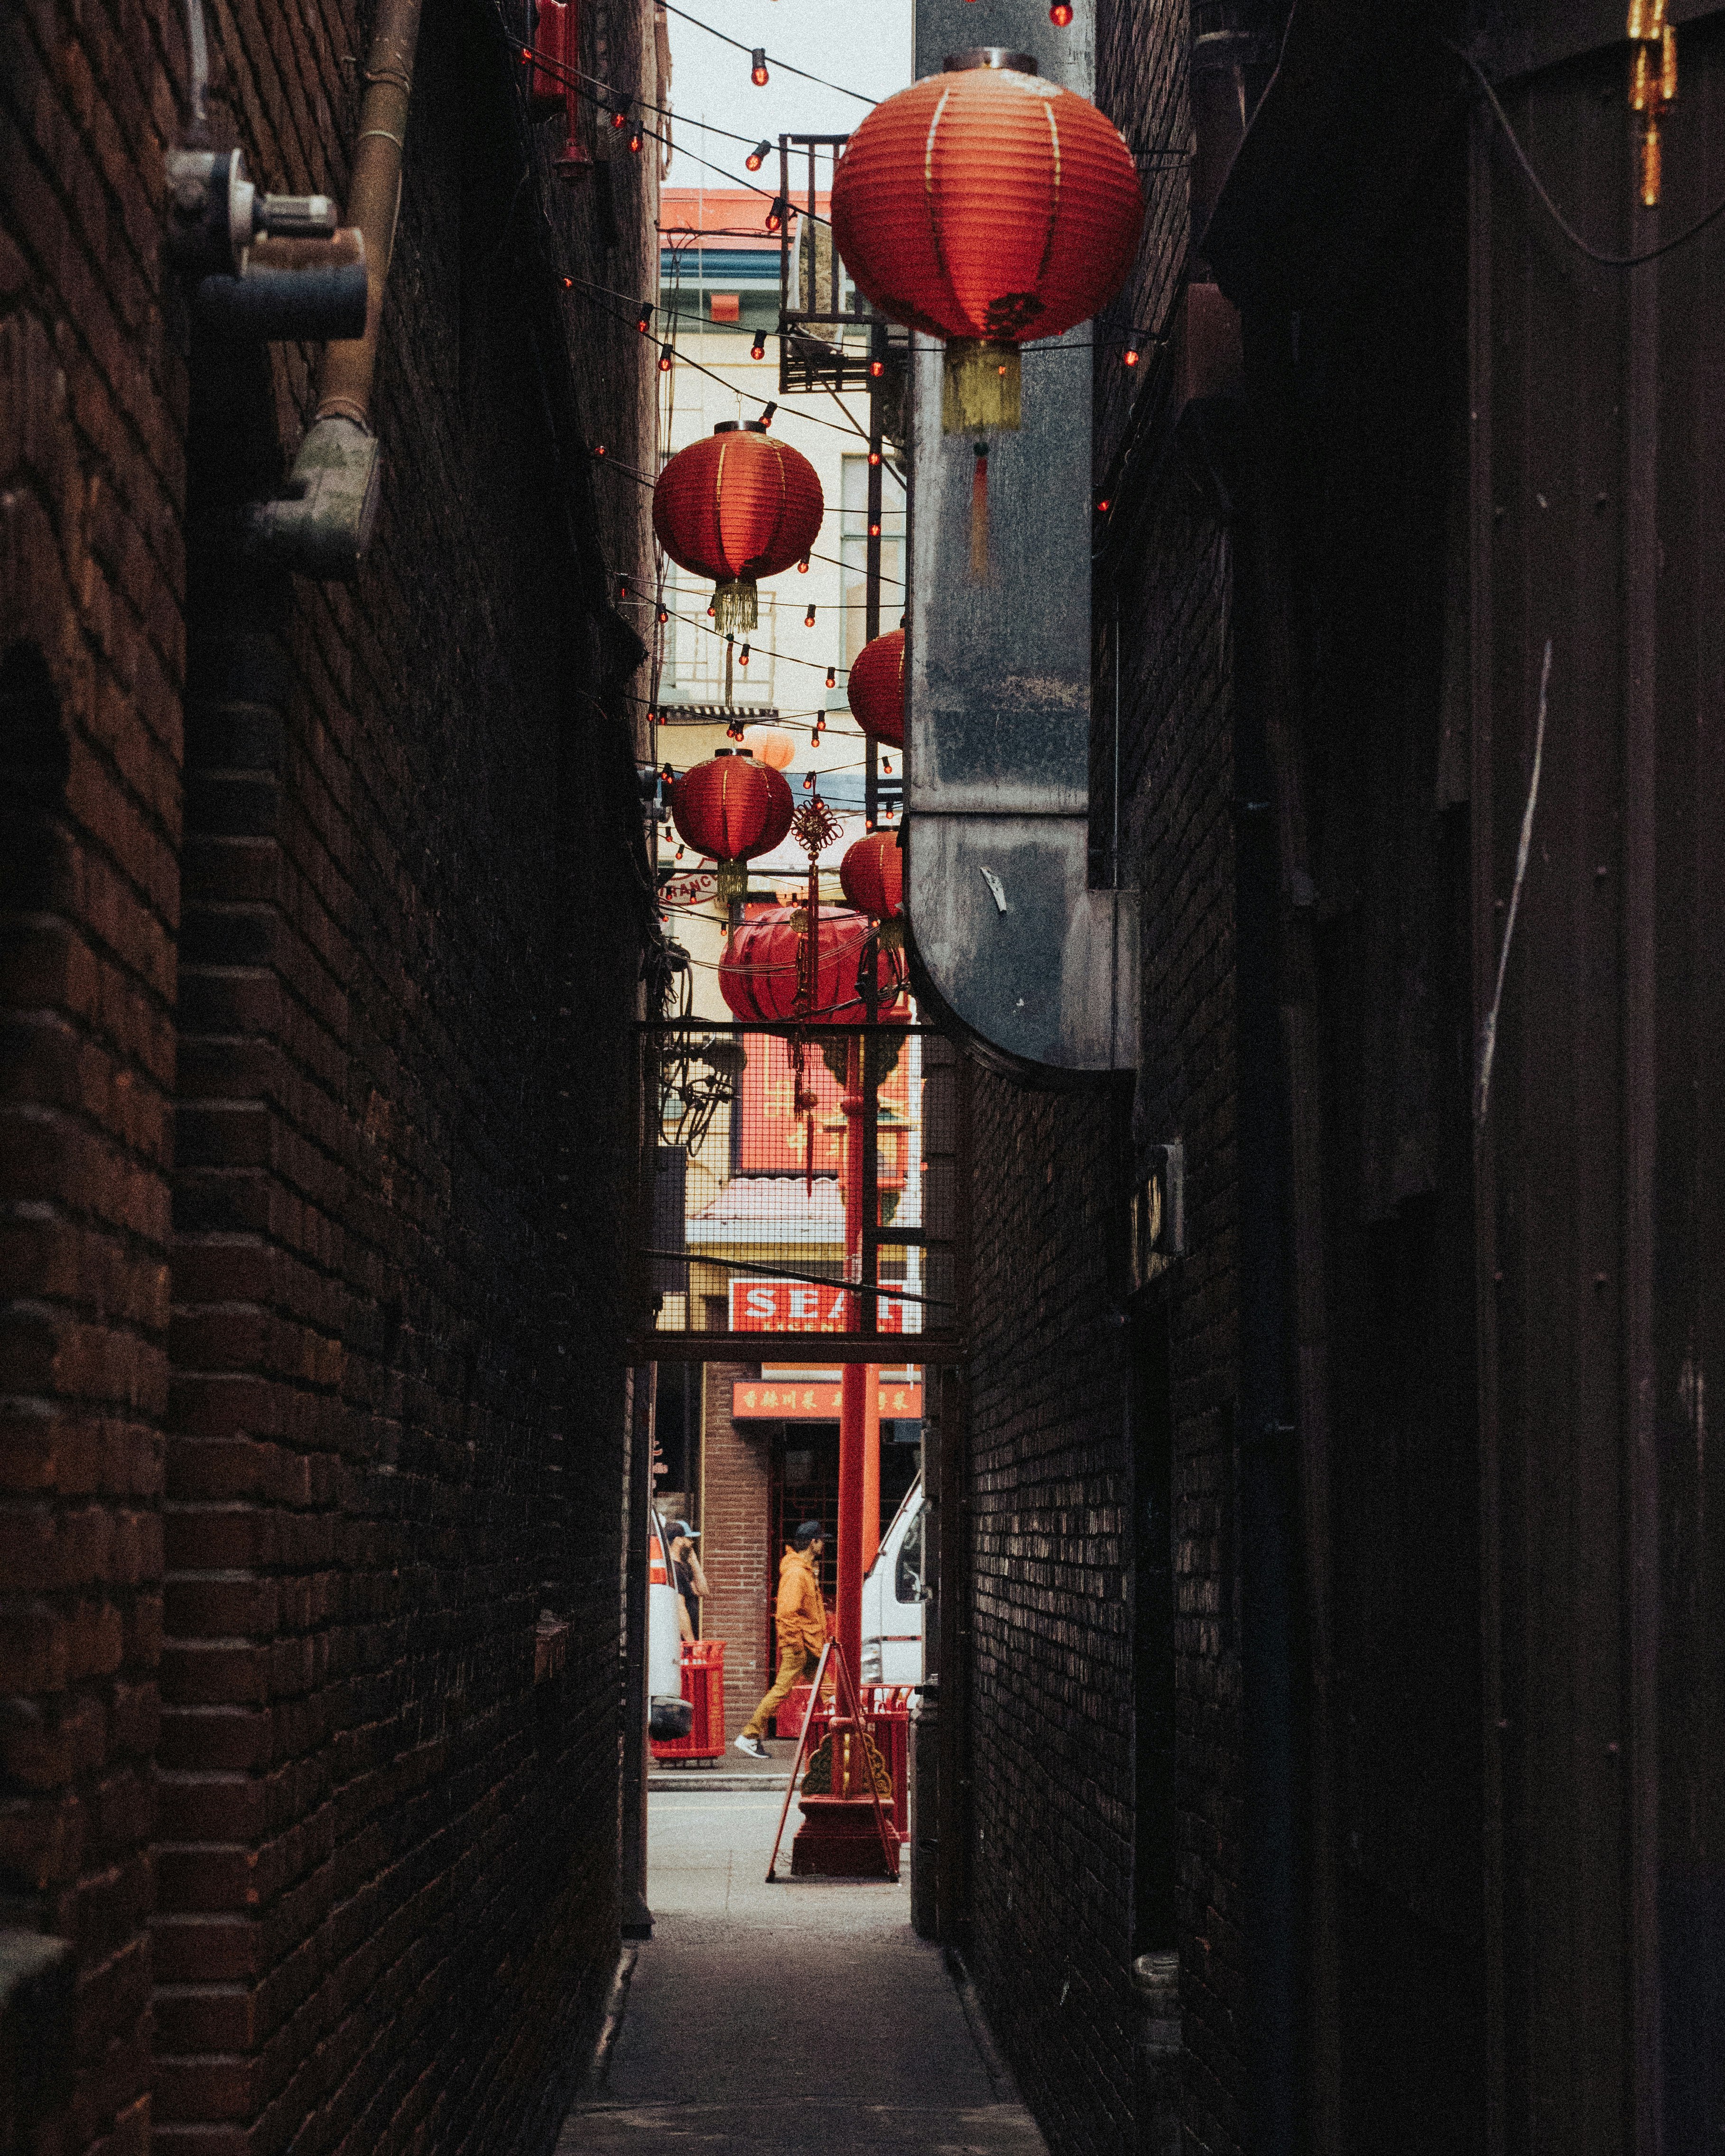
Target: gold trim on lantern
[[734, 606], [979, 387]]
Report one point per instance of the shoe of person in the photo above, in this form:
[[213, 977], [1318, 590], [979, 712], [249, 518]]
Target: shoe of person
[[753, 1746]]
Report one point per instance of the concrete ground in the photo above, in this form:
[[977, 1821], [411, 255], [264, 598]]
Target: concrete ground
[[802, 2016]]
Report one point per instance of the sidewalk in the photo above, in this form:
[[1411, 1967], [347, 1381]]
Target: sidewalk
[[789, 2019]]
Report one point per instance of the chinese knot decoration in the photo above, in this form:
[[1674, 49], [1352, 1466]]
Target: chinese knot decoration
[[731, 808], [876, 688], [736, 506], [989, 207]]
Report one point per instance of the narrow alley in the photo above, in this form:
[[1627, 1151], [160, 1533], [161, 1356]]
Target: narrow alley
[[804, 2015], [862, 947]]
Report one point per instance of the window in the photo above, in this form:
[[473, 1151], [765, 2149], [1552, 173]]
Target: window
[[907, 1580]]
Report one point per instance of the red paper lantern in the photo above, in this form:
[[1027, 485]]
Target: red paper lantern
[[758, 973], [731, 808], [987, 206], [736, 506], [872, 875], [876, 688]]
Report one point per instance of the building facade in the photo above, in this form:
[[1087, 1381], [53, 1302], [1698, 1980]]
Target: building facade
[[326, 903]]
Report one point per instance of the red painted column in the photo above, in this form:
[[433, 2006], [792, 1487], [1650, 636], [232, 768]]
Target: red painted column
[[871, 1467], [858, 1385]]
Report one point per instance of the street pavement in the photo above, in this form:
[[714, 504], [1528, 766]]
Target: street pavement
[[799, 2017]]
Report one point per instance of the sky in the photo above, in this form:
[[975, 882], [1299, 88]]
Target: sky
[[863, 44]]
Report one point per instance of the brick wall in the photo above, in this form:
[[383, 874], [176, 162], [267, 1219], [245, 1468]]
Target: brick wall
[[735, 1494], [1056, 1445], [368, 1103], [92, 398]]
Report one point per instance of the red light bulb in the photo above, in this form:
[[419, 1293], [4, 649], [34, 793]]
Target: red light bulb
[[758, 70], [758, 350], [832, 677], [664, 359], [1060, 14], [802, 566], [809, 618], [742, 656], [757, 156]]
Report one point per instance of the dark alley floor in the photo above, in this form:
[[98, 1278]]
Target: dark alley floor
[[805, 2015]]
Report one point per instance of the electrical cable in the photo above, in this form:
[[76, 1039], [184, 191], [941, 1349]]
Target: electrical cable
[[772, 60], [1582, 246]]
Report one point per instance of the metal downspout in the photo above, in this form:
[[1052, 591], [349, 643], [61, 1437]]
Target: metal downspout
[[322, 524]]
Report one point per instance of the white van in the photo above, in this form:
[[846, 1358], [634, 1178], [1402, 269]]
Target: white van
[[893, 1602]]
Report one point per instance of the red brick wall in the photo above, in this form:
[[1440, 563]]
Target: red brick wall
[[735, 1490], [369, 1103], [92, 395]]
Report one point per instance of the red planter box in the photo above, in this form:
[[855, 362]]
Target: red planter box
[[704, 1686]]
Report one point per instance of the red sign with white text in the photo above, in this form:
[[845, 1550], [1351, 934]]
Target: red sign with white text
[[782, 1305]]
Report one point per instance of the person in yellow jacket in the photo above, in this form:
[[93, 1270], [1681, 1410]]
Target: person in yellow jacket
[[801, 1623]]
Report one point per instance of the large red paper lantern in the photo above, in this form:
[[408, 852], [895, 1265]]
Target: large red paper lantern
[[987, 206], [876, 688], [759, 972], [736, 506], [872, 875], [731, 808]]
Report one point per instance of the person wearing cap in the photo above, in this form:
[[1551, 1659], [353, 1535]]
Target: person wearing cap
[[686, 1575], [800, 1620]]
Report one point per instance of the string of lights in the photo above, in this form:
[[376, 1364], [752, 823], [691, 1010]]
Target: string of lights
[[758, 59], [606, 100]]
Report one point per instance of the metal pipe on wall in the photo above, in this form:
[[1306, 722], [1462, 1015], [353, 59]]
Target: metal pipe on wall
[[322, 525]]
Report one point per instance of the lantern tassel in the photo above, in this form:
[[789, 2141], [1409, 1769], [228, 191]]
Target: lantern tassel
[[979, 387], [733, 881], [979, 513], [734, 606]]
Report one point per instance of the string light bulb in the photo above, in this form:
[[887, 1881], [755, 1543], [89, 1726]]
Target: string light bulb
[[1134, 350], [619, 116], [832, 677], [1060, 15], [599, 449], [742, 656], [623, 587], [766, 412], [644, 318], [809, 618], [778, 211], [802, 566], [634, 140], [664, 359], [757, 156], [665, 614], [877, 367], [758, 350], [874, 456], [758, 67]]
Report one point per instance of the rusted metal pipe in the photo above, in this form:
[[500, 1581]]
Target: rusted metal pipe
[[374, 201], [322, 523]]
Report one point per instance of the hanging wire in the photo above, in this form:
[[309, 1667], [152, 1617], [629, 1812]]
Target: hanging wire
[[773, 59], [1582, 246]]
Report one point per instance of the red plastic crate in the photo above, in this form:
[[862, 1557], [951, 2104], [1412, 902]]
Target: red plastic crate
[[704, 1687]]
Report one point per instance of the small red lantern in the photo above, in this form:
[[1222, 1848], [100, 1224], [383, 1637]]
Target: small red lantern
[[987, 206], [734, 507], [759, 972], [876, 688], [731, 808], [872, 877]]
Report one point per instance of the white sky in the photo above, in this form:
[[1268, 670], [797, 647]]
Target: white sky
[[865, 44]]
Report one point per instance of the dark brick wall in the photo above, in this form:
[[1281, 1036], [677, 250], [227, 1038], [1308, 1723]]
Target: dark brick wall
[[309, 1204], [1059, 1441], [92, 404]]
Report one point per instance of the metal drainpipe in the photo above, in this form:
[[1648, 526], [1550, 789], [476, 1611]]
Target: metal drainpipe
[[322, 524]]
